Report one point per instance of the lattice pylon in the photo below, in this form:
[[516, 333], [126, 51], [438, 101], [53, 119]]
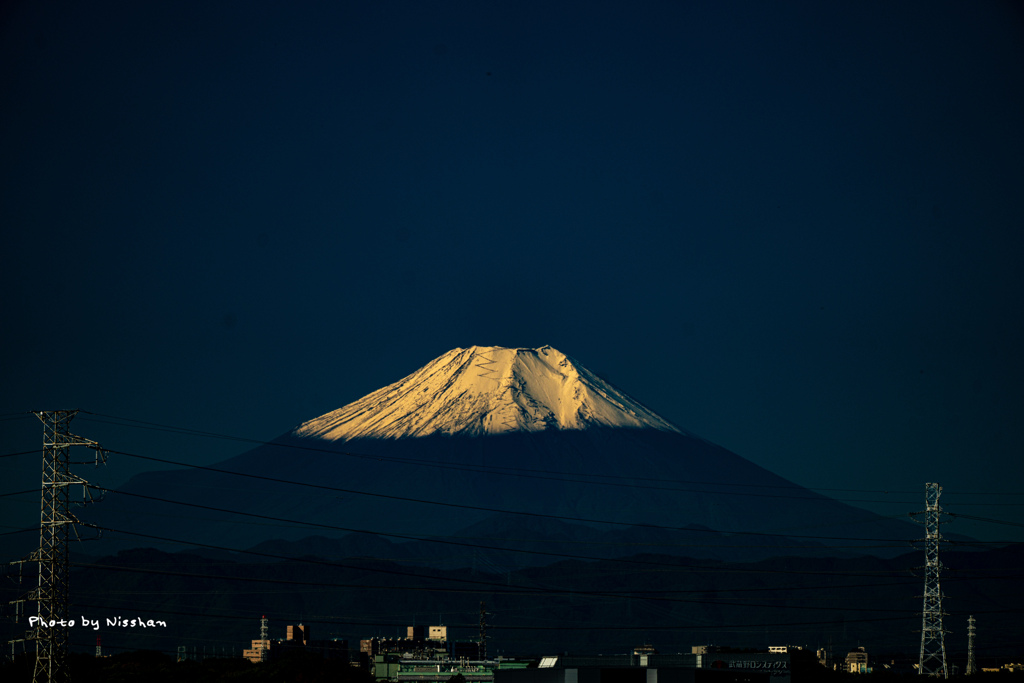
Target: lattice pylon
[[55, 525], [972, 663], [264, 637], [932, 661], [482, 648]]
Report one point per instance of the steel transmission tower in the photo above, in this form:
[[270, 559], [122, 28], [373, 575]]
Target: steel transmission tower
[[932, 661], [55, 525], [482, 647], [972, 663], [264, 637]]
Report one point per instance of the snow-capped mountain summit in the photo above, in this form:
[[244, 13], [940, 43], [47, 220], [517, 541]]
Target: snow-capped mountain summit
[[487, 390]]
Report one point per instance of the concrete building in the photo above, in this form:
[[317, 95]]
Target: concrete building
[[857, 662], [443, 669], [783, 662], [438, 633], [390, 667], [382, 656], [421, 642], [413, 647], [626, 669], [298, 641], [384, 666], [256, 652], [298, 633], [644, 665]]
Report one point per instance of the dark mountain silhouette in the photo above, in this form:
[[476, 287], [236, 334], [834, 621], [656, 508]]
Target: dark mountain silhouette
[[525, 442]]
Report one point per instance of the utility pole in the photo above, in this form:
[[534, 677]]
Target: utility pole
[[932, 661], [972, 663], [55, 525]]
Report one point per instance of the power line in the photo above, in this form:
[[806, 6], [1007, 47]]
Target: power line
[[567, 477], [20, 531], [676, 567], [588, 627], [490, 586], [141, 424], [703, 590], [621, 594], [610, 627], [303, 523], [17, 493], [247, 616], [984, 519], [486, 509], [11, 455], [349, 621], [430, 539], [892, 543], [686, 568]]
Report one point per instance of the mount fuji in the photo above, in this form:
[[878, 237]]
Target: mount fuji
[[486, 390], [506, 448]]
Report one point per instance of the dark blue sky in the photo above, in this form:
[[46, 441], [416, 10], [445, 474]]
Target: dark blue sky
[[792, 228]]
